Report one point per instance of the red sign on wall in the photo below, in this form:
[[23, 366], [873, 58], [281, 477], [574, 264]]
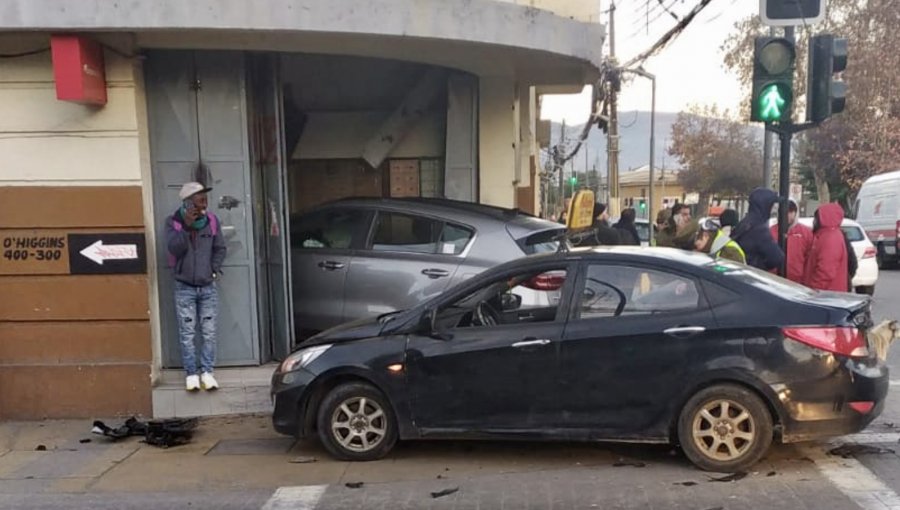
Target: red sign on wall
[[78, 69]]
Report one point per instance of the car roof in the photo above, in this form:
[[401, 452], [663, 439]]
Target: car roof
[[649, 255], [846, 223], [434, 206], [888, 176]]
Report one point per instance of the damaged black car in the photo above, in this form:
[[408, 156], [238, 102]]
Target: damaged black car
[[626, 344]]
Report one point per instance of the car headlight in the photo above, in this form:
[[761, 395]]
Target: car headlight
[[303, 357]]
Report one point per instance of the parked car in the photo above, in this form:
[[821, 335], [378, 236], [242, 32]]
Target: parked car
[[643, 228], [876, 209], [867, 272], [645, 345], [359, 258]]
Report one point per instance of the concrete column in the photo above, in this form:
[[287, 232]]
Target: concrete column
[[497, 140]]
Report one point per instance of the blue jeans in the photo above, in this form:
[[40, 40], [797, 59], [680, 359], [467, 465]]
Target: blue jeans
[[192, 303]]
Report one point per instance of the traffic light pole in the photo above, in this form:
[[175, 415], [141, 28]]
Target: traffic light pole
[[785, 132]]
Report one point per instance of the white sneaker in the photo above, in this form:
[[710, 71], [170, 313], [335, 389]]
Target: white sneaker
[[192, 383], [208, 382]]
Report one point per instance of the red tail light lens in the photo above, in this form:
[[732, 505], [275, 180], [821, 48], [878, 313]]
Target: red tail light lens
[[546, 281], [849, 342], [869, 253], [862, 407]]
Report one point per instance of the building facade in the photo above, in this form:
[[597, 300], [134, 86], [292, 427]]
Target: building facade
[[635, 189], [110, 107]]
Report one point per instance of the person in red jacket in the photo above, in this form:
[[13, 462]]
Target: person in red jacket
[[827, 266], [799, 240]]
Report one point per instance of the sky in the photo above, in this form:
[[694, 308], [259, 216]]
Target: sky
[[688, 71]]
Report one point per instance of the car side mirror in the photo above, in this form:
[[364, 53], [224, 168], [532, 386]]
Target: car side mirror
[[511, 302]]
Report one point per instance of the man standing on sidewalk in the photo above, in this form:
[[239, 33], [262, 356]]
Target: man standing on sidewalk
[[799, 242], [196, 252]]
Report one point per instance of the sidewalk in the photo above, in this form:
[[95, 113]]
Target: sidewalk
[[243, 452]]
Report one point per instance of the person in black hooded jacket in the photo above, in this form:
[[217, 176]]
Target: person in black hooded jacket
[[601, 233], [753, 234], [628, 234]]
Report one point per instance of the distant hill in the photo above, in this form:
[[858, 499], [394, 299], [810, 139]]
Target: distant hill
[[634, 142]]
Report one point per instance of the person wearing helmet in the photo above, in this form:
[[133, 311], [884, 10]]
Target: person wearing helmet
[[712, 239]]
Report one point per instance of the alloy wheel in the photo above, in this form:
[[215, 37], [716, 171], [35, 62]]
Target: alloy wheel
[[723, 430], [359, 424]]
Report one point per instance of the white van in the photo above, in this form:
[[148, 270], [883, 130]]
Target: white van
[[876, 210]]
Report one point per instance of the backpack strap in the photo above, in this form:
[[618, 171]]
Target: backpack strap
[[213, 224]]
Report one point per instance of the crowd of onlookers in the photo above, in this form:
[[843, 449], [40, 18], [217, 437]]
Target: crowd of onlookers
[[820, 257]]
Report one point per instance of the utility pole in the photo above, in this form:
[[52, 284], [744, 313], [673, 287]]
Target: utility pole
[[612, 141], [558, 166]]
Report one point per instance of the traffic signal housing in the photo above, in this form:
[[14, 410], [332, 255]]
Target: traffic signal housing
[[772, 96], [827, 95]]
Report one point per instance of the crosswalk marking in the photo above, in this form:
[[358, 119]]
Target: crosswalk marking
[[296, 498], [854, 479]]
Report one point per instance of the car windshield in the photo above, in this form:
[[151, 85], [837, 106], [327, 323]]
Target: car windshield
[[761, 279]]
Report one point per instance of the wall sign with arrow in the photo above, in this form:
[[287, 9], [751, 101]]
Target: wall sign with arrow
[[61, 252], [107, 254]]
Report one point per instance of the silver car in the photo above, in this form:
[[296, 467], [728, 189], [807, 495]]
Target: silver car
[[359, 258]]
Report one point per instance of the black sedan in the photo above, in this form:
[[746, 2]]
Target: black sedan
[[636, 345]]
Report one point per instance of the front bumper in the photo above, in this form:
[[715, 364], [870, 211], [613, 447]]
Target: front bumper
[[822, 408], [289, 394]]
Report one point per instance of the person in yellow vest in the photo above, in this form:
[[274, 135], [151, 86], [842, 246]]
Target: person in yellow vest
[[710, 239]]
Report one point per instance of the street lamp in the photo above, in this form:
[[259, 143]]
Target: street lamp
[[641, 72]]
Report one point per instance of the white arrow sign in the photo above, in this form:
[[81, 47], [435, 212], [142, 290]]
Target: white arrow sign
[[98, 252]]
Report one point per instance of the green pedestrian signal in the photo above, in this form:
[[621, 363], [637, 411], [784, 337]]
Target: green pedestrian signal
[[773, 79], [573, 180], [772, 104]]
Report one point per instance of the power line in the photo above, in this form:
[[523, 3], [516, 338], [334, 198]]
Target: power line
[[658, 15], [670, 35]]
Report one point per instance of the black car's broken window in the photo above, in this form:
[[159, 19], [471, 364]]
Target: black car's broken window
[[613, 291]]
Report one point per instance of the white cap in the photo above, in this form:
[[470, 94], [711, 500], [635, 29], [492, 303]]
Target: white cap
[[192, 188]]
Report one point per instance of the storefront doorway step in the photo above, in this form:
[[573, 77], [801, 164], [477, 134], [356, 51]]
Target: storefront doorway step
[[242, 390]]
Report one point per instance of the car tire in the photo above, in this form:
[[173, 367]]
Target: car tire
[[868, 290], [882, 260], [356, 422], [725, 428]]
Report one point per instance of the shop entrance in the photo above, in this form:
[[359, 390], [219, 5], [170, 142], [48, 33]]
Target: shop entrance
[[211, 123]]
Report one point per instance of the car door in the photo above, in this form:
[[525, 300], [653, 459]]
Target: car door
[[498, 377], [407, 259], [631, 335], [321, 253]]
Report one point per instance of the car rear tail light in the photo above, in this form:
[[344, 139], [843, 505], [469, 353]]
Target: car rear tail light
[[849, 342], [862, 407], [546, 281], [869, 253]]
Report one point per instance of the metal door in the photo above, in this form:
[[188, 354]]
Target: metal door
[[197, 112]]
